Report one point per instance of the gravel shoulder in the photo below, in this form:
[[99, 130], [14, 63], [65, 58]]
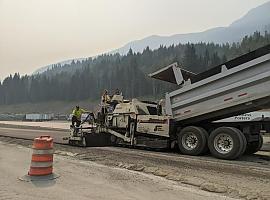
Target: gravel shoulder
[[80, 179]]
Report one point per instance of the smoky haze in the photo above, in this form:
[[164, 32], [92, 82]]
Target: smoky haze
[[35, 33]]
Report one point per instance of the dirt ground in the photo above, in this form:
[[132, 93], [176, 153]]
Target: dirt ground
[[80, 179], [246, 178]]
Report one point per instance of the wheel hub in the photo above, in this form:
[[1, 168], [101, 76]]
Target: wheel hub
[[189, 141], [223, 143]]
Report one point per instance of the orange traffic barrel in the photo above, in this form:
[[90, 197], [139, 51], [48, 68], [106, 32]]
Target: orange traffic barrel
[[42, 157]]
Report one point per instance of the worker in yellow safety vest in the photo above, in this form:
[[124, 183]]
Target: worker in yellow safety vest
[[105, 101], [76, 116]]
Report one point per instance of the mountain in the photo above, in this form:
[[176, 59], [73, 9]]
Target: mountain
[[257, 19], [63, 63]]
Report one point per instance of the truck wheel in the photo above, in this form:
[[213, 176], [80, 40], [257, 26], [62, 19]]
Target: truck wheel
[[253, 147], [227, 143], [244, 144], [192, 140]]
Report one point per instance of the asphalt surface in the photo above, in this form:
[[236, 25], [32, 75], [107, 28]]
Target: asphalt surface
[[261, 159], [31, 133], [246, 178]]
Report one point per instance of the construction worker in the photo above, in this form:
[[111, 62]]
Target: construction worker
[[117, 92], [105, 101], [105, 98], [116, 98], [76, 116]]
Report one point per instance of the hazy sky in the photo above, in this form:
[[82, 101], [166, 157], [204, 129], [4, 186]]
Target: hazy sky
[[35, 33]]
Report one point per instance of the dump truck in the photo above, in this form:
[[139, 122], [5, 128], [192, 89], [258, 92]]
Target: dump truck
[[189, 118]]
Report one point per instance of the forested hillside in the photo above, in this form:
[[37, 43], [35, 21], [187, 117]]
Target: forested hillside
[[87, 79]]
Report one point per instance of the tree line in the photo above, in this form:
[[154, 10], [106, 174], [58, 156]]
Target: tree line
[[87, 79]]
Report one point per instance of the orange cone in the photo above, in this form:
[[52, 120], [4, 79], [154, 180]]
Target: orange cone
[[42, 157], [41, 168]]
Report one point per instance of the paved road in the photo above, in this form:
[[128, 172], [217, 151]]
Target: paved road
[[46, 124], [31, 134]]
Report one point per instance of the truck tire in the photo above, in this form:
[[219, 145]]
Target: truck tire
[[253, 147], [227, 143], [244, 144], [192, 140]]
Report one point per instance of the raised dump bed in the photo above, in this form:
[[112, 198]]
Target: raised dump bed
[[238, 86]]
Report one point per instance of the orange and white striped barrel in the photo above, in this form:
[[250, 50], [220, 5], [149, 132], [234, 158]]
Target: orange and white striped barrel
[[42, 157]]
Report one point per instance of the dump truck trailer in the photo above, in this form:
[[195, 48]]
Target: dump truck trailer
[[189, 118]]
